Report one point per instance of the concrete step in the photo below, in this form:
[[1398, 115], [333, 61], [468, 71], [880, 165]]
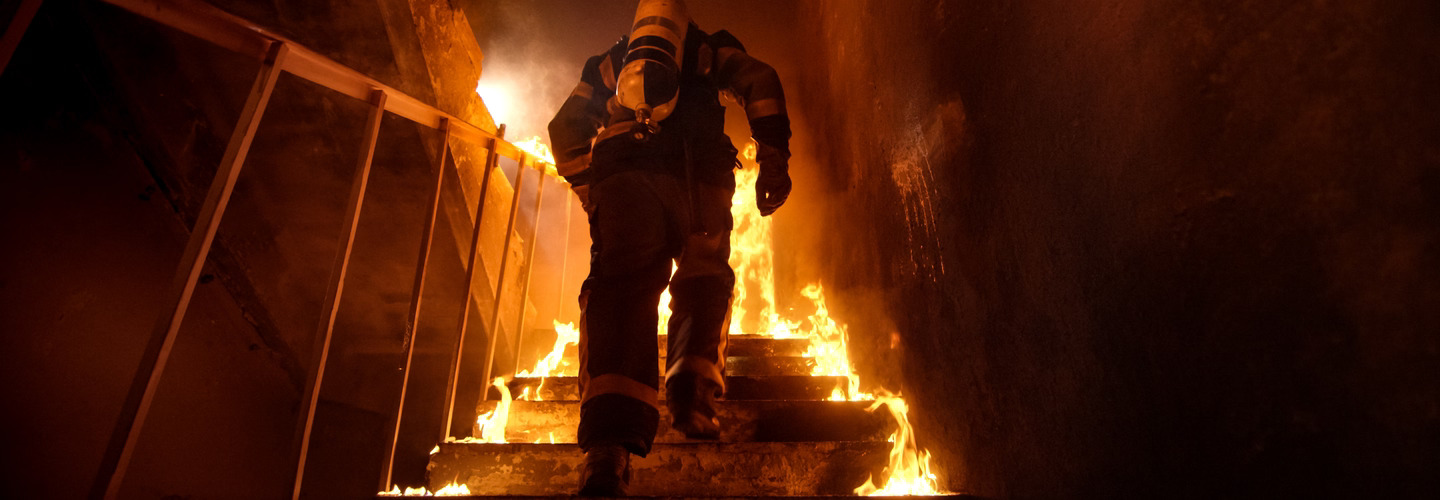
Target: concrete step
[[671, 469], [734, 365], [740, 421], [794, 387], [769, 366], [741, 345]]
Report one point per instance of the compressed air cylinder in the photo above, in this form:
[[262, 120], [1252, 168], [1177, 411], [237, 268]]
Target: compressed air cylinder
[[649, 81]]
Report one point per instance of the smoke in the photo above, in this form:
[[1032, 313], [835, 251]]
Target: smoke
[[524, 81], [534, 52]]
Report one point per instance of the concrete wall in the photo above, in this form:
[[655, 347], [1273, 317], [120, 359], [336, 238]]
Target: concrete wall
[[1140, 249]]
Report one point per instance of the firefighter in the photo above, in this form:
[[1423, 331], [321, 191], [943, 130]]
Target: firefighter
[[642, 142]]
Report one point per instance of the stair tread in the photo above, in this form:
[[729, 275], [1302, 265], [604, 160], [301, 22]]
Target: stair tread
[[681, 469], [734, 365], [740, 421], [790, 387], [748, 345]]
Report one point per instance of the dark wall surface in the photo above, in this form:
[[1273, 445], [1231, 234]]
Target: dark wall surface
[[1142, 249], [110, 142], [91, 238]]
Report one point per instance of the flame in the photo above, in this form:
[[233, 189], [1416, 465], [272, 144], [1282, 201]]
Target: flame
[[752, 308], [908, 472], [554, 363], [453, 490], [450, 490], [492, 423], [751, 255], [500, 100], [539, 150], [664, 308]]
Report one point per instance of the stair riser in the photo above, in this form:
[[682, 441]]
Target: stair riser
[[737, 388], [740, 345], [708, 470], [734, 365], [740, 421]]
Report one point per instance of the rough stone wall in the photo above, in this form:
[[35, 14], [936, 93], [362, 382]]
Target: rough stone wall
[[1139, 249]]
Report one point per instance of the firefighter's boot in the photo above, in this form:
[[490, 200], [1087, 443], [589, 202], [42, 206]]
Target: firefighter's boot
[[691, 400], [606, 472]]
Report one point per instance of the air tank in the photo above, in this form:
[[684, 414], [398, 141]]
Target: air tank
[[649, 79]]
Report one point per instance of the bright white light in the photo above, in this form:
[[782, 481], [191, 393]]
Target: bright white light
[[498, 100]]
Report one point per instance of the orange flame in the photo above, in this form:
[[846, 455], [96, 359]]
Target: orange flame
[[554, 363], [538, 150], [492, 423], [664, 308], [751, 255], [450, 490], [908, 472]]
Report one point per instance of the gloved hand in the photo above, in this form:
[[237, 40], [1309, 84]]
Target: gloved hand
[[773, 185]]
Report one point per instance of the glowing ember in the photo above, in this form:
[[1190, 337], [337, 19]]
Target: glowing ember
[[908, 472]]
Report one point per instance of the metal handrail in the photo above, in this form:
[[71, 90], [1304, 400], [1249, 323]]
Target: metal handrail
[[277, 54], [232, 32]]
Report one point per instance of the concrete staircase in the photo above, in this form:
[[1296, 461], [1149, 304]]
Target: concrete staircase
[[780, 437]]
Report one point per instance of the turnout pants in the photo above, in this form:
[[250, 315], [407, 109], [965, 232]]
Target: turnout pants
[[641, 221]]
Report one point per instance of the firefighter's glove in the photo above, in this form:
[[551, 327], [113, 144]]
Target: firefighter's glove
[[772, 152], [773, 186]]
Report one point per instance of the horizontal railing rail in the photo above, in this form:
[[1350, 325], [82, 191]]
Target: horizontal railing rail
[[221, 28]]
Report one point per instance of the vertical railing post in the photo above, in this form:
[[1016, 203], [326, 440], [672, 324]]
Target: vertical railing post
[[16, 30], [500, 283], [564, 256], [412, 323], [492, 158], [529, 266], [157, 352], [321, 347]]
